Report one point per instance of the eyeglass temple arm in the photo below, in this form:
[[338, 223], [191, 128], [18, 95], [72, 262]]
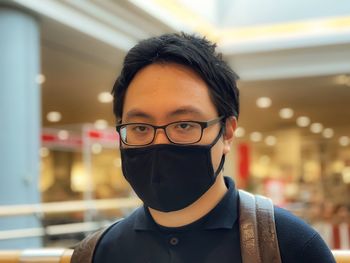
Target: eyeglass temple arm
[[209, 123]]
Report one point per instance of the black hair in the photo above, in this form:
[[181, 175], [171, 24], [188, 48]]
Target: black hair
[[192, 51]]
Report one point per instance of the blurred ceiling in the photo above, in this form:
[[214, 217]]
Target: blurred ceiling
[[74, 79], [322, 99], [78, 65]]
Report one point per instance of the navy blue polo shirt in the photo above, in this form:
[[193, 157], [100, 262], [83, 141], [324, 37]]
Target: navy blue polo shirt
[[212, 239]]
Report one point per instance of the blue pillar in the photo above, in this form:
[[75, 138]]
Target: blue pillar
[[20, 120]]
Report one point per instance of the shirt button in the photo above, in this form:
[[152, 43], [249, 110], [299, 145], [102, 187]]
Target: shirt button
[[174, 241]]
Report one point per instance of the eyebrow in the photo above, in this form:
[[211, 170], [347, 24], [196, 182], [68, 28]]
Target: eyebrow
[[136, 113], [185, 110]]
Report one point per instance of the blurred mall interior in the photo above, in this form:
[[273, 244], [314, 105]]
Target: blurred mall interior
[[60, 168]]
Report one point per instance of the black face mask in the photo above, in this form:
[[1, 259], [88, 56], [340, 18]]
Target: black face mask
[[168, 177]]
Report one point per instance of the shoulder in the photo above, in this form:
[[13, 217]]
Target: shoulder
[[122, 228], [298, 241], [115, 238], [287, 222]]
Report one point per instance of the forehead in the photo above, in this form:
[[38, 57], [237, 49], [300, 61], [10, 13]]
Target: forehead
[[160, 89]]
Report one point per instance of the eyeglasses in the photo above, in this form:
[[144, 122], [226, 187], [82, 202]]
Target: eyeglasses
[[179, 132]]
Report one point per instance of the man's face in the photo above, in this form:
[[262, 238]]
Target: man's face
[[163, 93]]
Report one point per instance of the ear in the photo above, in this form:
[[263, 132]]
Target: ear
[[230, 127]]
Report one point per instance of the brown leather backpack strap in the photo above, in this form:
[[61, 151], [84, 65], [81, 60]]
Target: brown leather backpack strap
[[268, 241], [84, 251], [248, 227]]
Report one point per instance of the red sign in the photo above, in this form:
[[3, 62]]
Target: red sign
[[243, 164]]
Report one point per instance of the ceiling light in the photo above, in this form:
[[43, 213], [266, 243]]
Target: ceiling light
[[63, 135], [44, 152], [328, 133], [286, 113], [316, 127], [344, 141], [256, 136], [239, 132], [40, 79], [263, 102], [105, 97], [54, 116], [270, 140], [303, 121], [96, 148], [101, 124]]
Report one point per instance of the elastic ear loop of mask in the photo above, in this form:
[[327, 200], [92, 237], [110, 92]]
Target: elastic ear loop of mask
[[222, 162], [221, 166]]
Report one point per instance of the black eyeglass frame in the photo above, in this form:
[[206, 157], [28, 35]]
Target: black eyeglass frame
[[203, 124]]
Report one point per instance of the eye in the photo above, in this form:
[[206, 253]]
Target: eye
[[184, 126], [140, 128]]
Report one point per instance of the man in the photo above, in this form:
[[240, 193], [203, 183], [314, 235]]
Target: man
[[177, 105]]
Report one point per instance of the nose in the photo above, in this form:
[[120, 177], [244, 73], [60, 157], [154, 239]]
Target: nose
[[160, 137]]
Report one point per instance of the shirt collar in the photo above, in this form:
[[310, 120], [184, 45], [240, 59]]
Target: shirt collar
[[222, 216]]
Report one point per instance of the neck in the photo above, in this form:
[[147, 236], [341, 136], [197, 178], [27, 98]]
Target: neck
[[195, 211]]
